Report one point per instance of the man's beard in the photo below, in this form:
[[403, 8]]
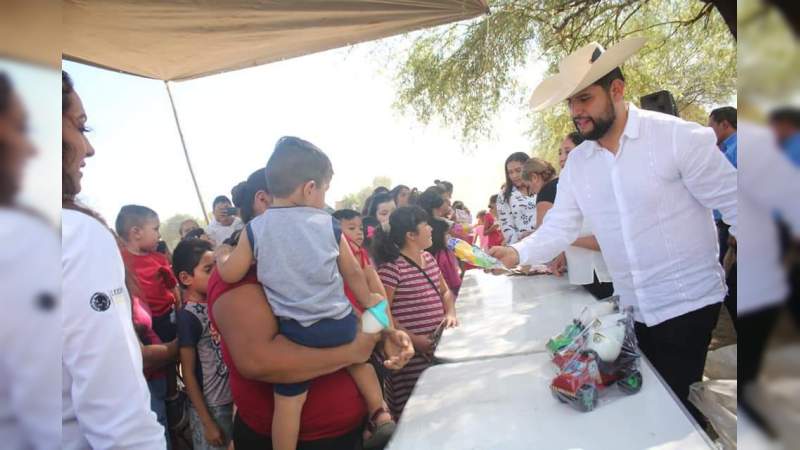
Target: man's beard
[[600, 125]]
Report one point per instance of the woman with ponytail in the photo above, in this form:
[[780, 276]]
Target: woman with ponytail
[[434, 202], [419, 298]]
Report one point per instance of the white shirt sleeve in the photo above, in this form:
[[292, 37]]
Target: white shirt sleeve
[[706, 173], [768, 177], [30, 416], [560, 228], [101, 352]]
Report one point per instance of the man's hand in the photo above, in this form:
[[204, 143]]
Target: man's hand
[[398, 349], [507, 255]]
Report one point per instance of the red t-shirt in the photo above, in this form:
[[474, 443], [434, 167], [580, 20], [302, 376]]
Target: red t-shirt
[[333, 407], [155, 279], [494, 238], [362, 256]]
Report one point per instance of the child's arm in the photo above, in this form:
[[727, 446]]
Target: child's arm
[[353, 274], [374, 281], [194, 391], [236, 266], [176, 291], [376, 286], [159, 355]]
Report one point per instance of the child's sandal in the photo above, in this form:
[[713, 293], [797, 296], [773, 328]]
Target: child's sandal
[[380, 434]]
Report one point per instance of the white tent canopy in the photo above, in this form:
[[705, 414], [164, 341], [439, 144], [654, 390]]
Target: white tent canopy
[[175, 40], [184, 39]]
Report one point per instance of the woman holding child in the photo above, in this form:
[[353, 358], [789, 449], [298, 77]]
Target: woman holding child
[[262, 352]]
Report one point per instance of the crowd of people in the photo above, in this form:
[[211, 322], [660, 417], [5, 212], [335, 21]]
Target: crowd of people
[[247, 332]]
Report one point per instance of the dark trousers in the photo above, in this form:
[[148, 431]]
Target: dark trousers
[[757, 327], [677, 349], [245, 438], [730, 298], [599, 289]]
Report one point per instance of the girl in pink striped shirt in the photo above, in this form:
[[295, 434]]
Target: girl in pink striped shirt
[[420, 299]]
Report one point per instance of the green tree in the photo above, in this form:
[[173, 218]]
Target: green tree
[[169, 228], [462, 74], [356, 200]]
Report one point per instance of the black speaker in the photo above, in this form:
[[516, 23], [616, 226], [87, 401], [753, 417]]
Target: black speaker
[[661, 101]]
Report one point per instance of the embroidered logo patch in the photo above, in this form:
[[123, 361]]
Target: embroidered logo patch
[[100, 302]]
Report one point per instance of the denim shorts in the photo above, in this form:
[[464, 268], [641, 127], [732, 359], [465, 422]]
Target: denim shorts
[[323, 334]]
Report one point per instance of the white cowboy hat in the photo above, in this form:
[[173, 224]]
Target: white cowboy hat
[[582, 68]]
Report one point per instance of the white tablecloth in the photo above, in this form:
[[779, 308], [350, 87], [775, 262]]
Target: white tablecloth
[[503, 316], [506, 404]]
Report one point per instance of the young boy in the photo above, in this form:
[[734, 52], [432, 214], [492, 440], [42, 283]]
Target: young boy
[[352, 229], [204, 373], [491, 229], [303, 261], [137, 226]]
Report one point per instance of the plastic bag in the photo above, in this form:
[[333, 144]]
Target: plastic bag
[[472, 254], [716, 399], [596, 356], [721, 363]]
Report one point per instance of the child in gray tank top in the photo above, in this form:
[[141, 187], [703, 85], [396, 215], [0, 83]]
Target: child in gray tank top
[[302, 261]]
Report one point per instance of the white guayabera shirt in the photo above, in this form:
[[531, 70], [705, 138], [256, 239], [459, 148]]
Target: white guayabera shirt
[[650, 209]]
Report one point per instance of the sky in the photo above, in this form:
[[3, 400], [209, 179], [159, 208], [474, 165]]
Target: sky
[[341, 100]]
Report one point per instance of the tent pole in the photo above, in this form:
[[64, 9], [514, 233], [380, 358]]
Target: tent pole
[[186, 153]]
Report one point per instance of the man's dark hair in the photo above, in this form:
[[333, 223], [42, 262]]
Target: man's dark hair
[[724, 114], [187, 256], [220, 199], [607, 79], [294, 163], [346, 214], [132, 216], [788, 114]]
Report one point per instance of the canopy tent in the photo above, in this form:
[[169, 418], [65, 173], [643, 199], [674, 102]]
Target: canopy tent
[[174, 40], [184, 39]]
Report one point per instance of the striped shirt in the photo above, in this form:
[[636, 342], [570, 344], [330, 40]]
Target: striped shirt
[[419, 309], [416, 304]]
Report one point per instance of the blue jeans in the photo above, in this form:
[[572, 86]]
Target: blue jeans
[[158, 395], [223, 415], [323, 334]]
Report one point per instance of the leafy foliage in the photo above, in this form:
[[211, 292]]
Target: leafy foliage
[[463, 73]]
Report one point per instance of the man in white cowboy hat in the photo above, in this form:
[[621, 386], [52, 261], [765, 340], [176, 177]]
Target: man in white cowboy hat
[[646, 183]]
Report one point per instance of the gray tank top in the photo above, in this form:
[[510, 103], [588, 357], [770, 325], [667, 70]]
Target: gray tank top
[[296, 250]]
